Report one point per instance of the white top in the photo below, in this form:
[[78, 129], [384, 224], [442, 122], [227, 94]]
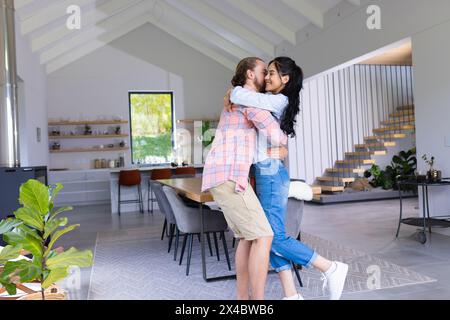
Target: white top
[[275, 103]]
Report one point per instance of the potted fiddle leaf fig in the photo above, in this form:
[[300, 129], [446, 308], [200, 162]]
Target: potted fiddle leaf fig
[[35, 228]]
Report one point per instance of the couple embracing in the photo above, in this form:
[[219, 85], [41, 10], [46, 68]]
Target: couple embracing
[[252, 135]]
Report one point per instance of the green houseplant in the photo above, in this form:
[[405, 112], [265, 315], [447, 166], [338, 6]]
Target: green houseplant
[[35, 228], [403, 164], [208, 136]]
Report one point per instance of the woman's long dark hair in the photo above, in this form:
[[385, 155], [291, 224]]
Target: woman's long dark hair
[[287, 67]]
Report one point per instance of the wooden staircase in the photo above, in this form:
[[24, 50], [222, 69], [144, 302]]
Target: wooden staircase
[[400, 125]]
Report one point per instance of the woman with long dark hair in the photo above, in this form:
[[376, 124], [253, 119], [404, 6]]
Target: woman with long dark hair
[[284, 81]]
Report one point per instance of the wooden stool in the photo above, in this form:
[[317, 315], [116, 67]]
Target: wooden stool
[[185, 171], [156, 174], [130, 178]]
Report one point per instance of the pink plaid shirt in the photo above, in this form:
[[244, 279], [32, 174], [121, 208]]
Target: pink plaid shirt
[[233, 148]]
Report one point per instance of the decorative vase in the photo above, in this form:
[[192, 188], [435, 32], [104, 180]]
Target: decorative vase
[[30, 291], [434, 175], [52, 293]]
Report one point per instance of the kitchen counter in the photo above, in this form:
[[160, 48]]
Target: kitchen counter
[[80, 170], [100, 186]]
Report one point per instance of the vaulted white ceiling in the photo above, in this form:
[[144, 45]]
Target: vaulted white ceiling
[[224, 30]]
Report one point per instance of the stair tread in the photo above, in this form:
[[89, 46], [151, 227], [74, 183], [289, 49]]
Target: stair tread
[[337, 179], [405, 120], [316, 190], [361, 161], [401, 114], [359, 153], [332, 188], [366, 153], [381, 144], [407, 107], [387, 136], [394, 128], [339, 170]]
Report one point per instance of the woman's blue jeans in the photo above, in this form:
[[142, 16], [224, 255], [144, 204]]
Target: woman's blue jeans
[[272, 189]]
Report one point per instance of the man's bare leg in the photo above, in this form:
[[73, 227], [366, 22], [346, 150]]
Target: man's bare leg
[[242, 276], [259, 265]]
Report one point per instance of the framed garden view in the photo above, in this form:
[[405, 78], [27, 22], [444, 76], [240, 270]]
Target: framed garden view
[[151, 127]]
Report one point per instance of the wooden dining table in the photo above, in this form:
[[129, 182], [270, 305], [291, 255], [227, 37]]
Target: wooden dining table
[[191, 189]]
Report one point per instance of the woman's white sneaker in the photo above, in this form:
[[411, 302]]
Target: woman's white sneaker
[[335, 279]]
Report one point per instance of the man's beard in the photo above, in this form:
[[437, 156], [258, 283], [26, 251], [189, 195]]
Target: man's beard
[[261, 87]]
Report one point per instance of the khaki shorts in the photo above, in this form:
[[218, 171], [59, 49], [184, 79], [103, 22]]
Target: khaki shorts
[[243, 211]]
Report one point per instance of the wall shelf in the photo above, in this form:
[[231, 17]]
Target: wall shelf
[[75, 123], [88, 150], [193, 120], [92, 136]]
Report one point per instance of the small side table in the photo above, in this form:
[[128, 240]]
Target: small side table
[[425, 221]]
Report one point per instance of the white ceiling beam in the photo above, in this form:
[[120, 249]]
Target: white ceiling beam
[[191, 42], [84, 50], [265, 19], [306, 9], [96, 44], [49, 14], [355, 2], [204, 33], [233, 26], [19, 4], [88, 34], [103, 12]]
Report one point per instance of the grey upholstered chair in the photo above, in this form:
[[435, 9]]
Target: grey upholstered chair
[[171, 230], [294, 215], [188, 222], [293, 220], [166, 210]]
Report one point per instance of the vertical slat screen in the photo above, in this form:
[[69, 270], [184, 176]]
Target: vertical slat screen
[[339, 109]]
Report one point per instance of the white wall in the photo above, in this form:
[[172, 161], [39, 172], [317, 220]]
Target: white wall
[[432, 91], [32, 102], [146, 59]]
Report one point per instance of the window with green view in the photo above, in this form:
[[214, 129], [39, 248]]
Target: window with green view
[[151, 127]]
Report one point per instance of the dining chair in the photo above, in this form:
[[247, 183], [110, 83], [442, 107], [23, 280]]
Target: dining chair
[[188, 222], [170, 227], [156, 174]]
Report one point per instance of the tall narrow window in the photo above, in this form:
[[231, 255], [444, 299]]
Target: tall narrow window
[[151, 127]]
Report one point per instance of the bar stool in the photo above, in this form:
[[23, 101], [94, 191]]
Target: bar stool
[[130, 178], [185, 171], [156, 174]]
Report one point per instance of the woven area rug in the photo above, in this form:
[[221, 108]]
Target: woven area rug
[[134, 264]]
